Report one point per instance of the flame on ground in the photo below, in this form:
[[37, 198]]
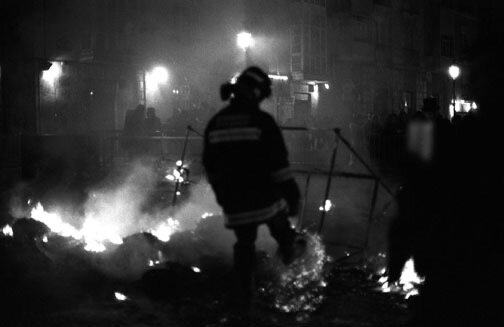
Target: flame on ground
[[408, 282], [7, 231], [206, 215], [95, 233], [300, 286], [166, 229]]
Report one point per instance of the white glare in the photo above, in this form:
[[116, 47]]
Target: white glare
[[165, 230], [279, 77], [159, 75], [454, 71], [53, 73], [93, 232], [156, 77], [120, 296], [7, 231], [244, 40], [408, 282], [206, 215], [327, 206]]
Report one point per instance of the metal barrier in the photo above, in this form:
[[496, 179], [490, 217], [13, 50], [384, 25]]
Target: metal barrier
[[370, 175], [109, 150]]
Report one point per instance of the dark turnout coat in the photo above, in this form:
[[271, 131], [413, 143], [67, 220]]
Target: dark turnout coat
[[246, 163]]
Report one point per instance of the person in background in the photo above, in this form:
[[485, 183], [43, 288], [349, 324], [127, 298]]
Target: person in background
[[134, 128], [152, 123]]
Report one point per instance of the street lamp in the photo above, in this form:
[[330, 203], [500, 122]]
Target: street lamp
[[153, 79], [454, 72], [244, 40], [53, 73]]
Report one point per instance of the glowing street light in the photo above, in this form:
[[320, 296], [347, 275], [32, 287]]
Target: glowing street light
[[454, 72], [156, 77], [53, 73], [244, 40], [153, 79]]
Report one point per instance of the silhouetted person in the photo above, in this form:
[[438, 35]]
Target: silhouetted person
[[133, 129], [449, 221], [246, 163], [402, 120], [152, 123]]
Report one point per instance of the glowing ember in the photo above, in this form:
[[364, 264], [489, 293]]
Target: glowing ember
[[120, 296], [152, 263], [206, 215], [327, 206], [300, 285], [179, 174], [165, 230], [7, 231], [408, 282], [93, 233]]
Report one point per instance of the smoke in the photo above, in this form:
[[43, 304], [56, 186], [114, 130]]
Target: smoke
[[119, 208]]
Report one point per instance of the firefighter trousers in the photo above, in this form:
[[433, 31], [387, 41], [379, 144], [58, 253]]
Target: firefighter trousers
[[244, 249]]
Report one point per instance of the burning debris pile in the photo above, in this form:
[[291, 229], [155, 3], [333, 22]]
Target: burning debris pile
[[408, 283], [178, 255], [299, 287]]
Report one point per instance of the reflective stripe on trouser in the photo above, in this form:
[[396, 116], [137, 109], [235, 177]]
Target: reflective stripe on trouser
[[255, 216]]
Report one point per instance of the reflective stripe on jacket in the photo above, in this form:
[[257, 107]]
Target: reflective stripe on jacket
[[247, 165]]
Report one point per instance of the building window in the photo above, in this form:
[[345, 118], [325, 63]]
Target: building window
[[447, 46]]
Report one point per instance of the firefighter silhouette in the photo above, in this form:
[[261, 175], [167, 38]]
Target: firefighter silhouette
[[247, 165]]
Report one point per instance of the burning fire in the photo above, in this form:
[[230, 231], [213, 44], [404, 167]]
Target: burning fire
[[301, 285], [206, 215], [95, 233], [7, 231], [408, 282], [166, 229], [92, 233]]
